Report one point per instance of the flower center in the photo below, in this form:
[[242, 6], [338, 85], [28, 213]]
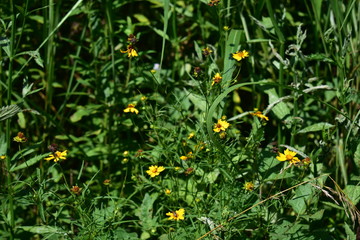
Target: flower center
[[289, 157]]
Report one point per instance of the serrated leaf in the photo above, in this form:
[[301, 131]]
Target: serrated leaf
[[316, 127], [29, 163]]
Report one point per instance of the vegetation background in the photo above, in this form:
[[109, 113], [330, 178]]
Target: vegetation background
[[74, 74]]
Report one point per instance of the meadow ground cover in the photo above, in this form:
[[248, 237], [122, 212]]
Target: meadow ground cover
[[186, 119]]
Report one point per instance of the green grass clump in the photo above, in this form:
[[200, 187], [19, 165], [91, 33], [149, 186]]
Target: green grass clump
[[180, 119]]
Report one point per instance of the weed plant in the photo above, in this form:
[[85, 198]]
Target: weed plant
[[188, 119]]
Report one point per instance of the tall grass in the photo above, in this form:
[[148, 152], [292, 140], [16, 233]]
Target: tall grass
[[71, 92]]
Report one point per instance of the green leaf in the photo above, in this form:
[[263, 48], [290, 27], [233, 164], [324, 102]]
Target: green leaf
[[280, 110], [316, 127], [319, 57], [357, 156], [29, 163], [198, 100], [145, 212], [353, 192], [41, 229], [231, 46]]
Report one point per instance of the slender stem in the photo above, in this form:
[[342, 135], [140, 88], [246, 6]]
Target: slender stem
[[9, 94]]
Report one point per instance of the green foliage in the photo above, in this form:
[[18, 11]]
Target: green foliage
[[116, 90]]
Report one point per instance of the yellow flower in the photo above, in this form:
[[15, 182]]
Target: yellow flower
[[226, 28], [191, 135], [221, 125], [288, 156], [188, 156], [248, 186], [177, 168], [131, 108], [216, 79], [125, 153], [20, 138], [239, 55], [222, 135], [155, 170], [167, 191], [206, 51], [2, 157], [76, 190], [260, 115], [130, 51], [143, 98], [57, 156], [177, 215]]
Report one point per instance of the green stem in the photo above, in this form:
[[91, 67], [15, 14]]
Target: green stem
[[9, 94]]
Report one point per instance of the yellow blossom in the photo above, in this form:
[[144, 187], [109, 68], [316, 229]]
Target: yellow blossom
[[221, 125], [191, 135], [57, 156], [2, 157], [226, 28], [176, 215], [188, 156], [20, 138], [131, 108], [206, 51], [248, 186], [167, 191], [130, 51], [260, 115], [143, 98], [155, 170], [177, 168], [288, 156], [239, 55], [216, 79]]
